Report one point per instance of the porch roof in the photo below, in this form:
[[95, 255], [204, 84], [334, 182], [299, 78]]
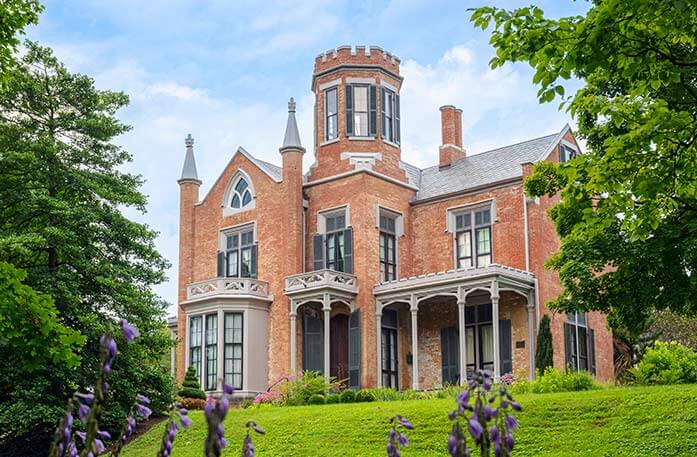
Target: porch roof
[[457, 283]]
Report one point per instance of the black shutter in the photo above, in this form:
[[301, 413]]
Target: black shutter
[[354, 362], [396, 128], [253, 269], [505, 346], [348, 250], [569, 345], [383, 126], [591, 349], [348, 100], [318, 252], [313, 343], [372, 121], [221, 264], [450, 355]]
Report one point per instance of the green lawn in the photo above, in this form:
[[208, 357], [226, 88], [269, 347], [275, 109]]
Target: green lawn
[[646, 421]]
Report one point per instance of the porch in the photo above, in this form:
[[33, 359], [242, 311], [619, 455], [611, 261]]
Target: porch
[[429, 327]]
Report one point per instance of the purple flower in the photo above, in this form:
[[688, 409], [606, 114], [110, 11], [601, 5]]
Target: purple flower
[[516, 406], [463, 398], [258, 429], [85, 398], [109, 346], [475, 428], [489, 412], [510, 442], [129, 332], [82, 412], [223, 406], [487, 384], [208, 408], [143, 411], [403, 440], [511, 422], [142, 399], [228, 389], [405, 423], [452, 444], [186, 421]]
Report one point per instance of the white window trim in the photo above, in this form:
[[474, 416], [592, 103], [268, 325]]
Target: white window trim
[[224, 232], [358, 80], [322, 217], [229, 210], [453, 212], [330, 84], [387, 85]]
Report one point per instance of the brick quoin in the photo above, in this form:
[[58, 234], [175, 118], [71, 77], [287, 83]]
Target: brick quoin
[[363, 175]]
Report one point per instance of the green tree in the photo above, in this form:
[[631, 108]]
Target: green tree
[[62, 193], [544, 354], [191, 387], [628, 212], [14, 16]]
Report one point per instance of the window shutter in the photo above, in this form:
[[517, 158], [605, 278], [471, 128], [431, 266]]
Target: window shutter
[[221, 264], [450, 355], [313, 343], [318, 252], [591, 349], [569, 345], [354, 350], [372, 127], [397, 131], [253, 272], [506, 346], [348, 100], [348, 250], [383, 124]]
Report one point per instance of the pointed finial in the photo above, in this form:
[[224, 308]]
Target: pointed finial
[[189, 173], [291, 140], [291, 105], [189, 141]]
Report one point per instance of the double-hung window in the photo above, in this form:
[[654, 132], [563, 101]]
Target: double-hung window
[[579, 342], [473, 238], [195, 329], [336, 242], [566, 153], [360, 110], [211, 351], [233, 349], [388, 246], [240, 254], [331, 110], [390, 116]]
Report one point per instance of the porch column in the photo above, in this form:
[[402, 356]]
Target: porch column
[[327, 308], [293, 337], [378, 342], [531, 333], [414, 306], [462, 336], [495, 315]]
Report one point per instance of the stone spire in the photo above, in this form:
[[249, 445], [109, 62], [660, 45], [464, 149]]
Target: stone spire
[[291, 141], [189, 172]]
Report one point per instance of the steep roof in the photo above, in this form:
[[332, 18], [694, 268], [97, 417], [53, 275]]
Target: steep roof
[[482, 169]]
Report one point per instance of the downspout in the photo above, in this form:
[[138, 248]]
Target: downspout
[[525, 231]]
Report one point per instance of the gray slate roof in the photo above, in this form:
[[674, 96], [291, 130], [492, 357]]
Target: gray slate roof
[[480, 169]]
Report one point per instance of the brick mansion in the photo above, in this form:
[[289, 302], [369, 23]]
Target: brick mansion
[[367, 268]]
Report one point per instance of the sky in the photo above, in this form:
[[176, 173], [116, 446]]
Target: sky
[[224, 71]]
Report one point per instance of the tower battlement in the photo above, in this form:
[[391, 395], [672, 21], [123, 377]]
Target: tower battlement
[[356, 55]]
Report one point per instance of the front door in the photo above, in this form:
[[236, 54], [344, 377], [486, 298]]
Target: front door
[[338, 353], [450, 355]]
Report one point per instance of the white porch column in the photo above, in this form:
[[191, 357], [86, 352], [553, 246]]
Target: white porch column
[[378, 342], [462, 336], [293, 337], [327, 308], [531, 334], [414, 306], [495, 315]]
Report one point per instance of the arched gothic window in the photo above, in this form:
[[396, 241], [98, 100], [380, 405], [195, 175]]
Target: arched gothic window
[[241, 195]]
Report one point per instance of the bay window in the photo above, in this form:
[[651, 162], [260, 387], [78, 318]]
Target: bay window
[[331, 111], [233, 349], [360, 110], [195, 344], [211, 351], [390, 116]]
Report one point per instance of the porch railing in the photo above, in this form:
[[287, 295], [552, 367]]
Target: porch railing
[[228, 286], [321, 278]]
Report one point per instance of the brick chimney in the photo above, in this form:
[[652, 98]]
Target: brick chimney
[[451, 132]]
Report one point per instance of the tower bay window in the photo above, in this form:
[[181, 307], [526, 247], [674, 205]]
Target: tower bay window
[[211, 351], [195, 329], [331, 110], [388, 247], [233, 349], [360, 110], [390, 116], [473, 238]]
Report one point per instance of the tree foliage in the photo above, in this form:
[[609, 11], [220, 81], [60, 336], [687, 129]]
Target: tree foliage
[[191, 387], [62, 195], [544, 353], [628, 212], [14, 16]]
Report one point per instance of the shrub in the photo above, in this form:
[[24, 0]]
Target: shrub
[[190, 386], [192, 403], [363, 396], [298, 389], [316, 399], [384, 394], [347, 396], [667, 363], [544, 355], [272, 396], [553, 380], [331, 398]]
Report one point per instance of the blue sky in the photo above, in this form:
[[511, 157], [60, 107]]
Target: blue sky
[[224, 70]]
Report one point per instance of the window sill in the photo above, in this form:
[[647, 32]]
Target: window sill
[[361, 138], [390, 143], [332, 141]]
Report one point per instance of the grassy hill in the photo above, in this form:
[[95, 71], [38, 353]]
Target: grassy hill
[[646, 421]]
